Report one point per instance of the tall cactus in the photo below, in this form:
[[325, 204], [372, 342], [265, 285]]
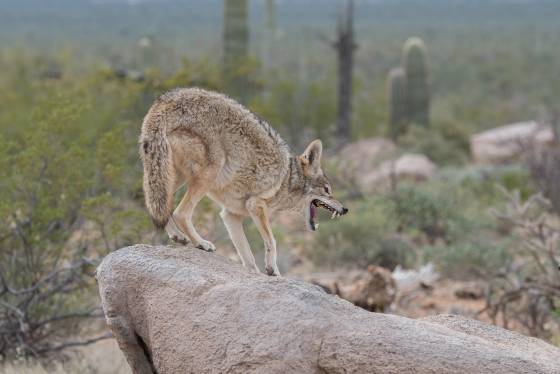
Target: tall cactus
[[396, 92], [418, 92], [235, 46]]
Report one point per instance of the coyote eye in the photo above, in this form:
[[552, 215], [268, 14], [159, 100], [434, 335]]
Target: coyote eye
[[328, 190]]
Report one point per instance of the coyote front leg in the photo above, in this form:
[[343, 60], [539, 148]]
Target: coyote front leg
[[234, 226], [258, 211]]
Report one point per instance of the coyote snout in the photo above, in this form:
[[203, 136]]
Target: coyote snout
[[220, 149], [318, 191]]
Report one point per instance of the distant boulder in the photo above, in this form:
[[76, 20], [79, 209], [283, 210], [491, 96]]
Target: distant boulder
[[374, 165], [410, 166], [363, 156], [506, 143]]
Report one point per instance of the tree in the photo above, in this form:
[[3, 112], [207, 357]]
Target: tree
[[345, 47]]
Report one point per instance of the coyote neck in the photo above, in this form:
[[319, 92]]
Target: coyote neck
[[294, 177], [292, 187]]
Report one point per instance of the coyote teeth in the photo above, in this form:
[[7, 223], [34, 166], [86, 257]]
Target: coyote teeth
[[333, 214]]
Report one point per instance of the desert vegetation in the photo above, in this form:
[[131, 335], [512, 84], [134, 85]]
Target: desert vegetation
[[425, 77]]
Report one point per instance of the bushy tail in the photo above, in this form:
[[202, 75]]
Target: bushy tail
[[156, 157]]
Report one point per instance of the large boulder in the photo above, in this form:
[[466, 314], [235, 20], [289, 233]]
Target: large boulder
[[182, 310], [506, 143], [363, 156], [410, 166], [375, 165]]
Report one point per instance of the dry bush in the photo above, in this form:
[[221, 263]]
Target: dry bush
[[46, 286], [36, 320], [100, 358], [544, 166], [526, 292]]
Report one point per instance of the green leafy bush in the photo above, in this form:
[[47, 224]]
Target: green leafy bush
[[443, 148], [43, 282], [367, 236], [70, 161], [464, 259], [429, 210]]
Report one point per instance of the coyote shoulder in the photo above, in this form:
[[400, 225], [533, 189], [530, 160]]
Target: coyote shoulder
[[220, 149]]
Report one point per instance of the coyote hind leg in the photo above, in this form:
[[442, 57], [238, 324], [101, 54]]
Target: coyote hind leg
[[175, 233], [172, 229], [182, 216]]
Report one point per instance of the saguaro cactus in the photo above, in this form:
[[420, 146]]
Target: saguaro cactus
[[396, 92], [416, 70], [235, 45]]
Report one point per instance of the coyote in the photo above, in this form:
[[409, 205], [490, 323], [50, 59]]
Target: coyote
[[218, 148]]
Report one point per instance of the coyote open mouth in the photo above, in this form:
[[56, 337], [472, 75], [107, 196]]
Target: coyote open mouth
[[323, 203]]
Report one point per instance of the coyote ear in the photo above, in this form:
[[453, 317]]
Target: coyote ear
[[312, 154]]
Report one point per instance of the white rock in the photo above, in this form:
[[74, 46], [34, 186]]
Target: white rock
[[371, 164], [365, 155], [410, 166], [506, 143]]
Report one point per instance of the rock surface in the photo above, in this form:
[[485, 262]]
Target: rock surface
[[506, 143], [197, 312]]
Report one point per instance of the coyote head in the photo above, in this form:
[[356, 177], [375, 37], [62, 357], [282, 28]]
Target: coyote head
[[317, 191]]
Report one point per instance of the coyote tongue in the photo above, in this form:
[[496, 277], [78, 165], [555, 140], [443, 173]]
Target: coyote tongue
[[312, 215]]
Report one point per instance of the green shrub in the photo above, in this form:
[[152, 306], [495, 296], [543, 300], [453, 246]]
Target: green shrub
[[71, 160], [292, 107], [430, 210], [477, 184], [367, 236], [44, 182], [464, 259], [443, 148]]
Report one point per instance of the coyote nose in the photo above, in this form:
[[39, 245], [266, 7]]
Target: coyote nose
[[344, 211]]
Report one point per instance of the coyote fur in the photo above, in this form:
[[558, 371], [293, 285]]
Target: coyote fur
[[218, 148]]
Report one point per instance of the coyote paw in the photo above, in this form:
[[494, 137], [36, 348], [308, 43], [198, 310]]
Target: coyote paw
[[205, 245], [180, 240], [272, 271]]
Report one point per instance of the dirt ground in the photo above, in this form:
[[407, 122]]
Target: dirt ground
[[443, 297]]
